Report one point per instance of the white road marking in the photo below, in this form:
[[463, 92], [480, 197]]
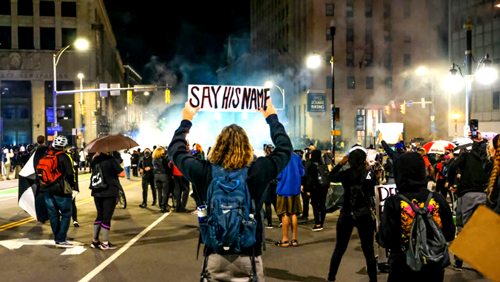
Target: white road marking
[[15, 244], [105, 263], [5, 199], [74, 251]]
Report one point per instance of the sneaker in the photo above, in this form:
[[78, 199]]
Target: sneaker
[[269, 226], [457, 267], [75, 224], [107, 246], [143, 205], [317, 228], [281, 224], [95, 245], [64, 245]]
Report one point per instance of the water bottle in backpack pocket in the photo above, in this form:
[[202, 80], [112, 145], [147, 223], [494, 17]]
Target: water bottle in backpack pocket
[[230, 224]]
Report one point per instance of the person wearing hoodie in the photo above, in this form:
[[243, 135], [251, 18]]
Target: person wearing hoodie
[[395, 226], [400, 147], [357, 210], [288, 199], [316, 190], [148, 177], [474, 180]]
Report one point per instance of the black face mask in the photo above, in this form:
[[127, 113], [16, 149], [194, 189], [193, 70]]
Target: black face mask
[[147, 154]]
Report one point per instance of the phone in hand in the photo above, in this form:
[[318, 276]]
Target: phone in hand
[[473, 125]]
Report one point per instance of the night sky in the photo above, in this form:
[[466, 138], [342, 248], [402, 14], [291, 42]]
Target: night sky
[[185, 33]]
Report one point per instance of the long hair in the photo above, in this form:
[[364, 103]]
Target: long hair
[[232, 149], [496, 166], [198, 148], [357, 161], [158, 152]]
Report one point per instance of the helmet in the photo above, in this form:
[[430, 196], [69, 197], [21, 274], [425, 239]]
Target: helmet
[[60, 141]]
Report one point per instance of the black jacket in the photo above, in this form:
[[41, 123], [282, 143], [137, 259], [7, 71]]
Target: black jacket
[[409, 173], [110, 170], [147, 162], [394, 155], [161, 166], [260, 173], [474, 167]]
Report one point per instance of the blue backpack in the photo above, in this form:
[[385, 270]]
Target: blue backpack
[[230, 225]]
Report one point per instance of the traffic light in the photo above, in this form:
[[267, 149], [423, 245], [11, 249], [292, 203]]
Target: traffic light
[[79, 137], [387, 110], [84, 110], [167, 96], [130, 98], [402, 108]]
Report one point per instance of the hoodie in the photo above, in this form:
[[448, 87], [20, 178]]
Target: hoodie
[[289, 180], [397, 217]]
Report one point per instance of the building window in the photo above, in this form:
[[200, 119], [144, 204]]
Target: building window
[[407, 60], [349, 11], [407, 84], [68, 36], [368, 36], [47, 38], [387, 10], [25, 7], [329, 10], [388, 82], [351, 82], [25, 38], [407, 9], [350, 57], [47, 9], [4, 7], [496, 100], [68, 9], [369, 59], [368, 9], [369, 82], [387, 36], [328, 35], [407, 37], [387, 60], [349, 36], [5, 37], [329, 82]]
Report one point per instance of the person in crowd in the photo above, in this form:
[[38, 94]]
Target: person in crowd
[[304, 218], [397, 218], [148, 177], [288, 199], [105, 199], [58, 203], [400, 147], [135, 162], [328, 159], [6, 159], [493, 186], [197, 152], [83, 160], [127, 162], [74, 212], [357, 209], [161, 175], [473, 183], [440, 175], [270, 199], [316, 188], [232, 151], [22, 158], [181, 189], [40, 142]]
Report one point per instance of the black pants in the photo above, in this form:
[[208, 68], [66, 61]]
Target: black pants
[[271, 199], [134, 170], [404, 273], [145, 182], [366, 231], [74, 213], [162, 185], [105, 209], [440, 187], [181, 192], [318, 198], [305, 204]]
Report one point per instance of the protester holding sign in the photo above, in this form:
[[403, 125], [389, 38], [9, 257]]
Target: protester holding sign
[[357, 210]]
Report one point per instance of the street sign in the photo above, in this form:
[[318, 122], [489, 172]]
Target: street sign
[[316, 102], [73, 131], [360, 122], [103, 86], [393, 105], [409, 103], [116, 92], [55, 128], [423, 103], [81, 128]]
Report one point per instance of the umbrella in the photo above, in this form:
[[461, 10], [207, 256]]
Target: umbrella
[[438, 147], [110, 143]]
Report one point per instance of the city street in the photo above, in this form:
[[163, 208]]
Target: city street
[[157, 247]]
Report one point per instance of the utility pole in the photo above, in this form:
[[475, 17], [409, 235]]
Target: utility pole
[[332, 62]]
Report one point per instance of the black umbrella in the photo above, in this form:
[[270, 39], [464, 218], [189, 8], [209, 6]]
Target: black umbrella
[[110, 143]]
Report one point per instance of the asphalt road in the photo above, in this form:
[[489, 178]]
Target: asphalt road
[[159, 247]]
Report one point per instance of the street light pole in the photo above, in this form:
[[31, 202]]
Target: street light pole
[[332, 62], [468, 75]]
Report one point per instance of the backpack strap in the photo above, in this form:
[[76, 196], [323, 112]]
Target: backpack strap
[[412, 205], [429, 198]]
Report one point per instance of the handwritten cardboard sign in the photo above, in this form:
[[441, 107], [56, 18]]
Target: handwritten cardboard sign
[[228, 98]]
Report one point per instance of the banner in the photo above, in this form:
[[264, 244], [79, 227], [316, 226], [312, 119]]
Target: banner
[[228, 98], [390, 131]]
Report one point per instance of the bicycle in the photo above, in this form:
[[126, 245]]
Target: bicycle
[[121, 200]]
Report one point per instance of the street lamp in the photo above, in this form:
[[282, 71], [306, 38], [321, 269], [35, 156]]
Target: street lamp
[[80, 76], [314, 61], [80, 44], [455, 116], [146, 93], [270, 84]]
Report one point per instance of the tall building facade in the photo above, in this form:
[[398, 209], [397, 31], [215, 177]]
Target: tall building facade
[[31, 31], [485, 19], [378, 46]]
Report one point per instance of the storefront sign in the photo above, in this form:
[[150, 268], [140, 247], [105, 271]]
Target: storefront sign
[[360, 122], [228, 98], [316, 102]]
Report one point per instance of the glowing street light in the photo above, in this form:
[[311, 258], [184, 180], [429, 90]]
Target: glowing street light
[[268, 84], [486, 74], [146, 93], [455, 116], [314, 61], [453, 82], [81, 44], [422, 71]]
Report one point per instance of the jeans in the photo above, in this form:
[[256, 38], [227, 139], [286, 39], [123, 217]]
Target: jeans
[[366, 231], [318, 199], [181, 192], [162, 186], [59, 224], [145, 182], [127, 172]]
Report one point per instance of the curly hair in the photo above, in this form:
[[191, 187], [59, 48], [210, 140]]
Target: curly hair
[[496, 167], [232, 149]]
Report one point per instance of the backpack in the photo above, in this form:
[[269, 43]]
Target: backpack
[[444, 171], [322, 177], [427, 244], [46, 170], [97, 179]]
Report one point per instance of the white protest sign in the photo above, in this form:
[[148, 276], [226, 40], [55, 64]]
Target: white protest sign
[[390, 131], [382, 193], [228, 98]]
